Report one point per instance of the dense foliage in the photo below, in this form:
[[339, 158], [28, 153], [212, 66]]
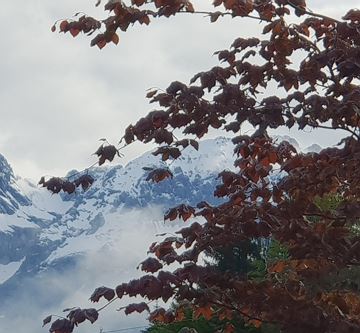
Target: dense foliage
[[247, 258], [318, 91]]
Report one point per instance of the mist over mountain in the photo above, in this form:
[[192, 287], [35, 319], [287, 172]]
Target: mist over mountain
[[55, 249]]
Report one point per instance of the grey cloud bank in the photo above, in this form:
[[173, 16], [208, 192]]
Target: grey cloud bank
[[59, 96]]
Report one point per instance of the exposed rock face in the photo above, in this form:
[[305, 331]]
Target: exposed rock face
[[11, 197]]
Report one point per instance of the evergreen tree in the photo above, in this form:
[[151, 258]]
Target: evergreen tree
[[244, 259]]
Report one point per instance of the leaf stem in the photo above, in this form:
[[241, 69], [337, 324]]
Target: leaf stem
[[107, 304]]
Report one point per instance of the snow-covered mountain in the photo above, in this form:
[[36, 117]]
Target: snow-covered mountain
[[42, 234], [40, 231], [11, 197]]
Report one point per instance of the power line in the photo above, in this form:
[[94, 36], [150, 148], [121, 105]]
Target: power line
[[123, 329], [133, 328]]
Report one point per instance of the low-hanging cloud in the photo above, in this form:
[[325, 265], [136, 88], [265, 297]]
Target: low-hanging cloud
[[124, 246]]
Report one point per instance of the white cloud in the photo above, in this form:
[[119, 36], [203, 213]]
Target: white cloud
[[59, 96], [111, 257]]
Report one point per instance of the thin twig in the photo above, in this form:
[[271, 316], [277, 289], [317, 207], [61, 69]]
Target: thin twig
[[230, 307], [82, 171], [325, 216], [53, 315], [341, 128], [107, 304], [311, 13]]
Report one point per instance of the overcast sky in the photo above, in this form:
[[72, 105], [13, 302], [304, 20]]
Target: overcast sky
[[59, 96]]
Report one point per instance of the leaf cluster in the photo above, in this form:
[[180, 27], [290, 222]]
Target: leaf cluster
[[56, 184]]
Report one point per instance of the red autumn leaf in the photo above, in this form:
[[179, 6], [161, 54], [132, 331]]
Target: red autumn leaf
[[273, 157], [150, 265], [157, 315], [138, 2], [74, 32], [107, 152], [292, 163], [61, 326], [145, 19], [195, 144], [279, 267], [101, 44], [47, 320], [115, 39], [255, 322], [158, 175], [206, 312], [105, 292], [64, 26], [68, 187], [171, 215], [229, 328], [214, 16], [180, 314], [136, 307], [151, 93], [352, 15], [85, 181]]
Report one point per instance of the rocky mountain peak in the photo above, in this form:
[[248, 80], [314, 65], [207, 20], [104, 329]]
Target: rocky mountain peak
[[11, 197]]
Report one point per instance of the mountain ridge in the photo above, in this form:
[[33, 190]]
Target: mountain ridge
[[51, 244], [38, 229]]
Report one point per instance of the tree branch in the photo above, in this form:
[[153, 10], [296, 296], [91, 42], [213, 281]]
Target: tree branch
[[325, 216], [230, 307], [311, 13], [107, 304], [341, 128]]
